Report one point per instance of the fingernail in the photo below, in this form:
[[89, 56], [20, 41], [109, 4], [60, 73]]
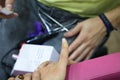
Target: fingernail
[[63, 40]]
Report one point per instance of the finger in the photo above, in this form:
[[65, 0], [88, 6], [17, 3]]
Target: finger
[[9, 4], [78, 51], [71, 62], [28, 76], [83, 54], [74, 31], [93, 47], [11, 78], [89, 55], [44, 64], [64, 53], [77, 42], [36, 75]]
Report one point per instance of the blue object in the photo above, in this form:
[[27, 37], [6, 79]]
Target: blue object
[[39, 30]]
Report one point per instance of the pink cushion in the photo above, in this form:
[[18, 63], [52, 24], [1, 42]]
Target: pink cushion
[[102, 68]]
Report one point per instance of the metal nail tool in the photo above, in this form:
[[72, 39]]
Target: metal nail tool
[[61, 28]]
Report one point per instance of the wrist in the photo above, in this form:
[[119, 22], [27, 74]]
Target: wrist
[[114, 17], [107, 23]]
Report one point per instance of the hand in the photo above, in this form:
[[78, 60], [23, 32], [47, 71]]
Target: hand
[[89, 34], [9, 5], [55, 71], [49, 70]]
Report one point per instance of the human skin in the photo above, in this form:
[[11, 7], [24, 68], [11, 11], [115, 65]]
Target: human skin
[[89, 35], [9, 5], [50, 70]]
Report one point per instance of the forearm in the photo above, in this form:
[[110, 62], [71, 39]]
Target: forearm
[[114, 17]]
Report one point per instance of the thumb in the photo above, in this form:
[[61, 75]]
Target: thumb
[[74, 31], [64, 53]]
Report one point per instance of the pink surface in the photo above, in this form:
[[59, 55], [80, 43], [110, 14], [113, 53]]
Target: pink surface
[[102, 68]]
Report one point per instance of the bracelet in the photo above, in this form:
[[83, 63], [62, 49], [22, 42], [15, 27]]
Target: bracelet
[[107, 23]]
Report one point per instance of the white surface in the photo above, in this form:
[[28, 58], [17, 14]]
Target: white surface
[[31, 56], [6, 11]]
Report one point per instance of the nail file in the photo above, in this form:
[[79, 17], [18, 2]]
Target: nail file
[[6, 11]]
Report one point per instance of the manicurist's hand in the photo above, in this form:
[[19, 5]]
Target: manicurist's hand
[[55, 71], [50, 70]]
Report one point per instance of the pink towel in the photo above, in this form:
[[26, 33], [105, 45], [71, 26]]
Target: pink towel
[[102, 68]]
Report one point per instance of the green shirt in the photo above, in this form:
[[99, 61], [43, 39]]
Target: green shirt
[[85, 8]]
